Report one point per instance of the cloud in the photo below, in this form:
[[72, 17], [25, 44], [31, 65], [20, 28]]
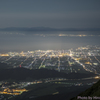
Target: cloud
[[78, 19]]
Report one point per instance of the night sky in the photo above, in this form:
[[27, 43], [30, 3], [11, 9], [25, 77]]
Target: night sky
[[50, 13], [21, 19]]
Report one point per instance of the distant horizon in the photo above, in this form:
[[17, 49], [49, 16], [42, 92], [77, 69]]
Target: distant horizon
[[43, 28]]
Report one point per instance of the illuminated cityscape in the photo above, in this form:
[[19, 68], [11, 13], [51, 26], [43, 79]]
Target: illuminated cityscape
[[62, 60], [49, 49], [80, 60]]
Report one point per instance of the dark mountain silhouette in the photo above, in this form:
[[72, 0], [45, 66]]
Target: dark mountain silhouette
[[47, 29], [93, 92]]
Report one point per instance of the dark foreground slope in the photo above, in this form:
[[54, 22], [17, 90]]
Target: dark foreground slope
[[93, 92]]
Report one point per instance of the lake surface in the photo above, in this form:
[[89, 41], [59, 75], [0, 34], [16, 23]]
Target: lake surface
[[14, 42]]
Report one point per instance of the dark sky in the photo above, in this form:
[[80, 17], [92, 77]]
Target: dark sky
[[36, 16], [50, 13]]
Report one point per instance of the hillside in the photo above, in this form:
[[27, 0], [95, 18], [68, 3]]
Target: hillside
[[93, 92], [9, 73], [4, 66], [23, 74]]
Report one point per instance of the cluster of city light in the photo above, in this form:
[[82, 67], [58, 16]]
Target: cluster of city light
[[97, 77], [13, 91], [4, 55], [77, 35], [82, 56], [40, 53]]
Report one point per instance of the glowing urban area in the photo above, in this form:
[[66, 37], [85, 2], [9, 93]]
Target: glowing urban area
[[81, 60]]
